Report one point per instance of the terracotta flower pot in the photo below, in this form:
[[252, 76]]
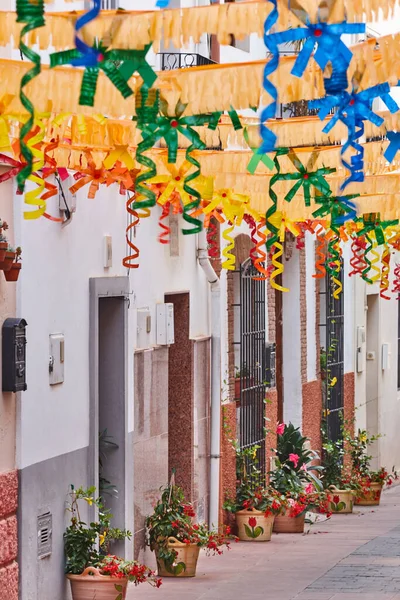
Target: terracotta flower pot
[[370, 498], [13, 273], [3, 250], [345, 496], [187, 554], [254, 526], [5, 265], [286, 524], [91, 585]]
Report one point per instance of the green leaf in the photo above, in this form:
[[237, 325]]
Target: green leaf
[[248, 531], [119, 588], [258, 531]]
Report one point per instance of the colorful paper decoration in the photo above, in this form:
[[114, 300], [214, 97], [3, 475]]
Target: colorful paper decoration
[[32, 15], [269, 112]]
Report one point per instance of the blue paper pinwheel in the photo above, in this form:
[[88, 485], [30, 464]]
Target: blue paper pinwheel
[[327, 38], [394, 146]]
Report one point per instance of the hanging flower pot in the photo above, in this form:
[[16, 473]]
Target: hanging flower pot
[[92, 585], [5, 265], [341, 501], [13, 273], [254, 526], [370, 496], [185, 563], [3, 250], [285, 524]]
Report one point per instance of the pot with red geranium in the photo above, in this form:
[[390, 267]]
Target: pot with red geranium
[[175, 539], [370, 482], [3, 240], [338, 478], [255, 506], [94, 573]]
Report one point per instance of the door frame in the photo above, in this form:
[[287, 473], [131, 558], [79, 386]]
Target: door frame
[[109, 287]]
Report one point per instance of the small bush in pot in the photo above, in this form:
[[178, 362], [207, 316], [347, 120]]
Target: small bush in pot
[[175, 539], [92, 571], [255, 505]]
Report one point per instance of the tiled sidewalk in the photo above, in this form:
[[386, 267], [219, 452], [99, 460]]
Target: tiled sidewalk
[[349, 557]]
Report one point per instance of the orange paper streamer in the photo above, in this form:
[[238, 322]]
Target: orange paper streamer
[[128, 261], [163, 238], [261, 256], [320, 262]]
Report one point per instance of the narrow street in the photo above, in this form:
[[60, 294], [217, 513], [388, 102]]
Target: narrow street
[[349, 557]]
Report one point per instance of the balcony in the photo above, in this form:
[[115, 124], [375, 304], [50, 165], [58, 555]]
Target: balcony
[[182, 60]]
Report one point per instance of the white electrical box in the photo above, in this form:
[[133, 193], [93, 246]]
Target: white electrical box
[[57, 358], [385, 356], [107, 251], [360, 349], [143, 328], [165, 324]]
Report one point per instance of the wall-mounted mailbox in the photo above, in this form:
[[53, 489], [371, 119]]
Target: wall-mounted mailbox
[[14, 355]]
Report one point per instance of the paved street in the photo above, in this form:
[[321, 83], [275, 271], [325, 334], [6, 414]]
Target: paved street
[[349, 557]]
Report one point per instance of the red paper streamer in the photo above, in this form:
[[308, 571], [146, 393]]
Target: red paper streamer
[[261, 256], [163, 238], [320, 262], [128, 260], [52, 190], [253, 232], [357, 261], [212, 244], [396, 282]]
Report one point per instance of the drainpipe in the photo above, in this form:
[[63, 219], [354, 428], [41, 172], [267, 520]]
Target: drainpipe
[[213, 280]]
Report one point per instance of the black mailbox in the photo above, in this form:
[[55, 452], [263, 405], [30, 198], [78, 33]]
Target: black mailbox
[[14, 355]]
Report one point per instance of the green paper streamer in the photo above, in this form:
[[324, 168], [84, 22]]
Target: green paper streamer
[[132, 61], [215, 117], [372, 222], [32, 14], [196, 223], [364, 274], [274, 198], [257, 156]]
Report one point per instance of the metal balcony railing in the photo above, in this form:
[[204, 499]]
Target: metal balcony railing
[[182, 60]]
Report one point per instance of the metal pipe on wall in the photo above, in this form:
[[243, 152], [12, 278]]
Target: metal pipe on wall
[[215, 426]]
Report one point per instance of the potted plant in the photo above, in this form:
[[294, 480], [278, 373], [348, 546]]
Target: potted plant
[[295, 478], [93, 572], [370, 482], [338, 479], [255, 506], [12, 274], [296, 503], [175, 539], [5, 265], [3, 240]]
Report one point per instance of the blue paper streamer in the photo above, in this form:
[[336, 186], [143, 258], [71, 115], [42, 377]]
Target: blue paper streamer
[[90, 55], [162, 3], [352, 110], [327, 38], [269, 112], [394, 146]]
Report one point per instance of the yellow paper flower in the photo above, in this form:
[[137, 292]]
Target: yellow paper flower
[[102, 538]]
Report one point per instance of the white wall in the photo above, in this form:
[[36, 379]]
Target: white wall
[[311, 307], [54, 298]]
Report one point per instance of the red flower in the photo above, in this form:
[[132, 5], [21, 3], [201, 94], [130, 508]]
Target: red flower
[[188, 510], [336, 499], [158, 582], [246, 503], [280, 428], [252, 521], [175, 524], [228, 530], [294, 458], [389, 482]]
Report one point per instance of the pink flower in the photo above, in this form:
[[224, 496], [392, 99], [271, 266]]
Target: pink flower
[[309, 488], [280, 428], [303, 467], [294, 458]]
